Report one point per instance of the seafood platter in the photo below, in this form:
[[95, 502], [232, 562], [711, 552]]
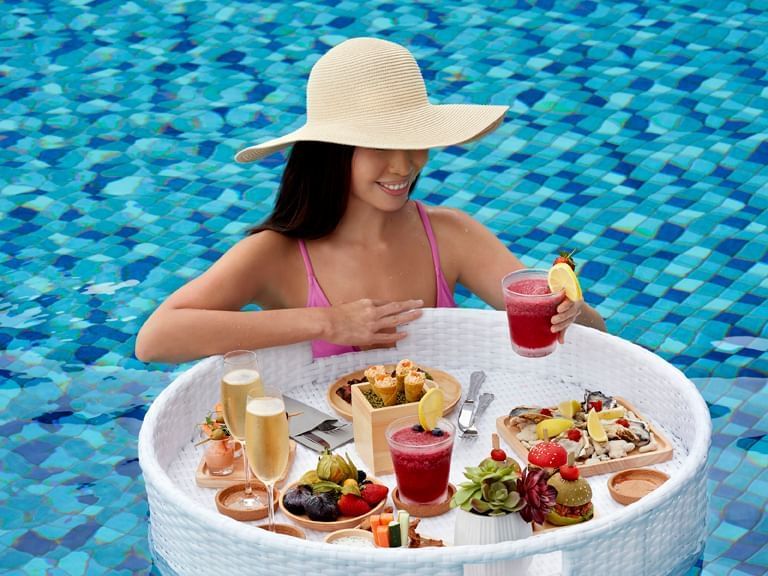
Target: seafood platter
[[603, 433]]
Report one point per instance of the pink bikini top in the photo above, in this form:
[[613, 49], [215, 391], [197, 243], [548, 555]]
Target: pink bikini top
[[317, 298]]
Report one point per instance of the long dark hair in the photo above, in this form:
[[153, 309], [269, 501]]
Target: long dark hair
[[313, 192]]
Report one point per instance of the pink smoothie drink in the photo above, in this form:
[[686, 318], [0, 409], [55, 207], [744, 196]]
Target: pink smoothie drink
[[530, 306], [421, 458]]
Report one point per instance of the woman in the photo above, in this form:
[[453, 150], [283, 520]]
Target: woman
[[346, 258]]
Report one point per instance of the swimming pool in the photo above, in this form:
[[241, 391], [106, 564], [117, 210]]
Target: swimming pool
[[638, 134]]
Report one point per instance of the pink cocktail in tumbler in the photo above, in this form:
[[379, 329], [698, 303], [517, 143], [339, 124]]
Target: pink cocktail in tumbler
[[421, 458], [530, 307]]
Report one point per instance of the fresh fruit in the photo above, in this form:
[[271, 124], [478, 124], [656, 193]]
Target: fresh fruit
[[498, 455], [351, 505], [322, 507], [566, 258], [623, 422], [569, 408], [569, 472], [612, 413], [374, 493], [562, 277], [295, 498], [574, 434], [431, 408], [552, 427], [595, 427]]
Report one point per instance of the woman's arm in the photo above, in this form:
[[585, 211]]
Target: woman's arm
[[204, 316], [480, 261]]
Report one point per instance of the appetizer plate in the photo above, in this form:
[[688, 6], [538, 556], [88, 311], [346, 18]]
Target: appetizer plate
[[448, 384], [343, 522], [633, 460]]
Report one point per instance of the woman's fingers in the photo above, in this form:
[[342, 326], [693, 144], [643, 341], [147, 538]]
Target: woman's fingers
[[567, 312]]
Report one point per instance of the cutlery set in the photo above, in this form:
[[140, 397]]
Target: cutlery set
[[474, 405]]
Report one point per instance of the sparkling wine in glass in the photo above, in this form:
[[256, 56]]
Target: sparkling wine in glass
[[240, 376], [266, 434]]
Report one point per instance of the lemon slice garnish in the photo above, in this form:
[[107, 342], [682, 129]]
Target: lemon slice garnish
[[552, 427], [595, 427], [568, 408], [561, 277], [431, 408], [612, 413]]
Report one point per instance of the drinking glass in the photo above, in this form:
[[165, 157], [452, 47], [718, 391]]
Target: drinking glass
[[266, 434], [530, 306], [421, 459], [240, 376]]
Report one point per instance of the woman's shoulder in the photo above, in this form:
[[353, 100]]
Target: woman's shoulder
[[449, 220], [263, 247]]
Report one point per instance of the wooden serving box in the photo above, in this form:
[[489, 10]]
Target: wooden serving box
[[369, 425]]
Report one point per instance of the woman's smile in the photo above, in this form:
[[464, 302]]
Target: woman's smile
[[395, 188]]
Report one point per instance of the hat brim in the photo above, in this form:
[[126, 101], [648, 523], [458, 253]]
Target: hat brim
[[425, 127]]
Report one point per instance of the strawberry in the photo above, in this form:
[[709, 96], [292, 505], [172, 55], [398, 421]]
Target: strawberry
[[566, 258], [498, 455], [623, 421], [351, 505], [569, 473], [374, 493], [545, 411], [574, 434]]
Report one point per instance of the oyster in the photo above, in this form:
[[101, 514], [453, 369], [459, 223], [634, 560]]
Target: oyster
[[641, 431], [597, 396], [521, 415], [619, 448]]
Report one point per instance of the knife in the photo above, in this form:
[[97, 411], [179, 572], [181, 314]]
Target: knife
[[466, 414]]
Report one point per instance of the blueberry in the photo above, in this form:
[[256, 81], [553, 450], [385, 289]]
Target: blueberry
[[437, 432], [360, 476], [417, 428]]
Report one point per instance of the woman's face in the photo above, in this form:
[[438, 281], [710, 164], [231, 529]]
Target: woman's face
[[383, 178]]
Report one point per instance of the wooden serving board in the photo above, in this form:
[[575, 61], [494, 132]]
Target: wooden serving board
[[633, 460], [206, 480]]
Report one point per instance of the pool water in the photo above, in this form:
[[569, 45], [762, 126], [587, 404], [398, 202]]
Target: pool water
[[637, 134]]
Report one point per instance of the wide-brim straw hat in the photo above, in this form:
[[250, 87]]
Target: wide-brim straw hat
[[369, 92]]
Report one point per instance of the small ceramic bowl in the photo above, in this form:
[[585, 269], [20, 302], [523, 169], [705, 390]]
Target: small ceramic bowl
[[630, 485], [351, 537], [287, 530]]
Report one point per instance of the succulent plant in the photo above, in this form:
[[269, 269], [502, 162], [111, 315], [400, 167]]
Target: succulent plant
[[537, 496], [491, 490]]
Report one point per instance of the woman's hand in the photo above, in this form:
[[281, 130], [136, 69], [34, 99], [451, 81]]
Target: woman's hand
[[567, 311], [369, 322]]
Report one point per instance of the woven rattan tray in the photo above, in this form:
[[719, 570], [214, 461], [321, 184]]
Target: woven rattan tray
[[661, 534]]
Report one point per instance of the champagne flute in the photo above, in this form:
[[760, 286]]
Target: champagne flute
[[240, 376], [266, 433]]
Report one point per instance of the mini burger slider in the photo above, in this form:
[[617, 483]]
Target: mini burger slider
[[547, 455], [574, 498]]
